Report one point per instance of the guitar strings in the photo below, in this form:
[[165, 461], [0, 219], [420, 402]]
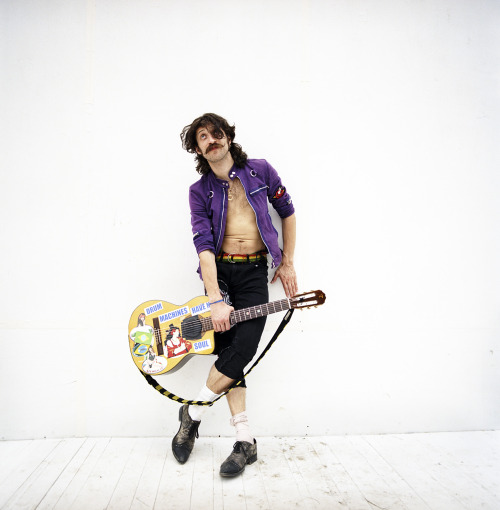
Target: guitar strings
[[304, 301], [284, 304], [236, 314]]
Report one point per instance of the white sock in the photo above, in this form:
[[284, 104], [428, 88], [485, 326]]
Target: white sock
[[205, 395], [240, 422]]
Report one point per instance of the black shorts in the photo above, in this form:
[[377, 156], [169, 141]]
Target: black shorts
[[242, 285]]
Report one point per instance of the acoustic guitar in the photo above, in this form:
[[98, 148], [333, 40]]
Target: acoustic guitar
[[163, 336]]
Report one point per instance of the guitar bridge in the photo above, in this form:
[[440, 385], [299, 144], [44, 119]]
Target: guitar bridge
[[157, 330]]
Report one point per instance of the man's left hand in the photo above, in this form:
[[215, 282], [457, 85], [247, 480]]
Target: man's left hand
[[286, 273]]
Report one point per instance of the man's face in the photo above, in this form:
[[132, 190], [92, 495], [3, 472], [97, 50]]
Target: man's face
[[211, 147]]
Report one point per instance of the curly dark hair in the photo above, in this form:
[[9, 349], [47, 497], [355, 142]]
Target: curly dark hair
[[219, 127]]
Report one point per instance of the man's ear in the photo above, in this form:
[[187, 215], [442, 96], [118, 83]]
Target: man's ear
[[197, 149]]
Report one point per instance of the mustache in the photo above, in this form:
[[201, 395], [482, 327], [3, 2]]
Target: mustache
[[213, 146]]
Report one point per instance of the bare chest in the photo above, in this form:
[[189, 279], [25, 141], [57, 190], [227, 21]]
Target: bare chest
[[237, 199], [242, 234]]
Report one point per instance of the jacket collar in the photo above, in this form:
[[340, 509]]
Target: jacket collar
[[213, 179]]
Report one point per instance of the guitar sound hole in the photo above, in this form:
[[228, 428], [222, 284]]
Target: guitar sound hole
[[191, 328]]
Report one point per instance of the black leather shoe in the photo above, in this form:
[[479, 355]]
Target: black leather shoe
[[243, 453], [183, 441]]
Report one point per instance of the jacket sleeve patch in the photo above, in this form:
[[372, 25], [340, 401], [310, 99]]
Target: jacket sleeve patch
[[280, 192]]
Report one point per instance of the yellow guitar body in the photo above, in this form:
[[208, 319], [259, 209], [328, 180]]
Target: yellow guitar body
[[163, 336]]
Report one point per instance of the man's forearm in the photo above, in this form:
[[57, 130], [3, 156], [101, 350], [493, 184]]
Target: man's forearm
[[209, 275], [286, 270], [289, 238]]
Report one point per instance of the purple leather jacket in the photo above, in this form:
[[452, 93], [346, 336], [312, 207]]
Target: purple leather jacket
[[208, 203]]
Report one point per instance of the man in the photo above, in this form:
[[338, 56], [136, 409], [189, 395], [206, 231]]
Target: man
[[233, 235]]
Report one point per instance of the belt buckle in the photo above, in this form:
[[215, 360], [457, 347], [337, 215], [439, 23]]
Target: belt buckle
[[230, 258]]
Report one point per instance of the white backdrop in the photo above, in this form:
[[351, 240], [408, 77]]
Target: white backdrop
[[383, 121]]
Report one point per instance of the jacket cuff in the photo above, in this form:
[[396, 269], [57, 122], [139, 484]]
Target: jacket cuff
[[286, 210], [202, 244]]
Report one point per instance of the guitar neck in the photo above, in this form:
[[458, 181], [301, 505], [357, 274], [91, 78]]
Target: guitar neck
[[252, 312]]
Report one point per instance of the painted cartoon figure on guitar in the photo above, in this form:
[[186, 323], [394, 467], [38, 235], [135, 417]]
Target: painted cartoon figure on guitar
[[234, 237], [141, 338], [176, 345]]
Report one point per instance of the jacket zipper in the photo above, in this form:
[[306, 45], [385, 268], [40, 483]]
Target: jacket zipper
[[255, 190], [217, 247], [257, 221]]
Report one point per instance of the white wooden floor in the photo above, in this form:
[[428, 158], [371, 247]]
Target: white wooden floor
[[444, 471]]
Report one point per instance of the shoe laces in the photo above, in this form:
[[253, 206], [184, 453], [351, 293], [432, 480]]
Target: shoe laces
[[193, 430], [237, 447]]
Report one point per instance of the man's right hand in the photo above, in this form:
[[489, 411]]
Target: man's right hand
[[220, 316]]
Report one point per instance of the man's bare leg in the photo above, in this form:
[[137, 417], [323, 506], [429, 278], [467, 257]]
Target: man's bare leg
[[236, 399], [215, 380], [218, 382], [245, 449]]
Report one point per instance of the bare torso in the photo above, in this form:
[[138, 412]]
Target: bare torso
[[242, 234]]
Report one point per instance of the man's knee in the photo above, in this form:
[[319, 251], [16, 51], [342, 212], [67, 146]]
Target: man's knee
[[217, 381], [231, 363]]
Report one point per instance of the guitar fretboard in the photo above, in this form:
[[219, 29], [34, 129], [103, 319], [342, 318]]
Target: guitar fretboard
[[252, 312]]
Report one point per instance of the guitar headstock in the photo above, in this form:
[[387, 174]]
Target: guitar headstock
[[308, 299]]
